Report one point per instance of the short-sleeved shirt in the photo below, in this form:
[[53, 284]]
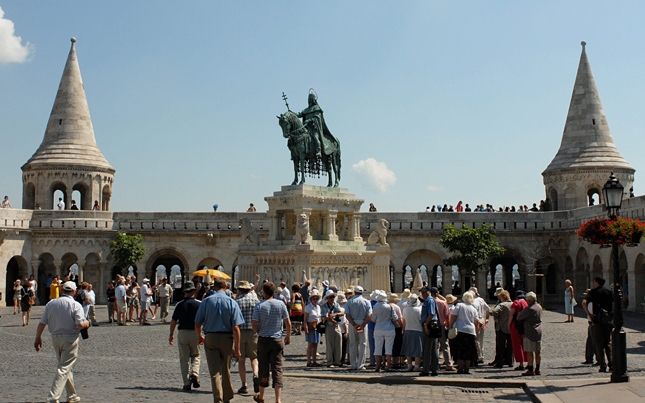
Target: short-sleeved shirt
[[219, 313], [326, 309], [467, 317], [120, 292], [62, 315], [412, 316], [429, 308], [357, 308], [269, 315], [382, 316], [164, 291], [313, 312], [247, 303], [532, 317], [143, 291], [185, 312]]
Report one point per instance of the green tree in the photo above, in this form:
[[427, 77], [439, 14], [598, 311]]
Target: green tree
[[473, 246], [127, 249]]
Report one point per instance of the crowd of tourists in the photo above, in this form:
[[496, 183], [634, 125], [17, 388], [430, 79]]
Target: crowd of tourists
[[545, 205]]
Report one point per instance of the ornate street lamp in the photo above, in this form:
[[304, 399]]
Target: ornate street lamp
[[613, 192]]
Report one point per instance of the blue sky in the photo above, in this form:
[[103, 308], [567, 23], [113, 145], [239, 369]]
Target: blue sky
[[433, 102]]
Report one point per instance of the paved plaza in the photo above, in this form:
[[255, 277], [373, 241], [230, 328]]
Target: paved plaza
[[136, 364]]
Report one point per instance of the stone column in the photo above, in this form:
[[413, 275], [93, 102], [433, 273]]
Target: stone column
[[68, 198], [100, 292], [273, 225], [354, 227], [481, 281], [35, 263], [81, 269], [446, 280], [331, 225], [58, 266]]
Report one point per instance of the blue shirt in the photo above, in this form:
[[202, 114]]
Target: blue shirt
[[357, 308], [429, 308], [219, 313], [269, 314]]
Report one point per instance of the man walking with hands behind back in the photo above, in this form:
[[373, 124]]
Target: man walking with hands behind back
[[268, 318], [184, 314], [219, 316], [64, 317]]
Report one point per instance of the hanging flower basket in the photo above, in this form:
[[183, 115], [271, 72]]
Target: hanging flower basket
[[604, 231]]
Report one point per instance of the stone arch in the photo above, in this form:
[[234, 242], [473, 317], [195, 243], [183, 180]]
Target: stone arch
[[546, 267], [170, 258], [513, 270], [17, 269], [84, 194], [92, 270], [211, 263], [594, 195], [106, 195], [553, 197], [419, 259], [582, 268], [29, 196], [46, 271], [53, 201], [67, 261]]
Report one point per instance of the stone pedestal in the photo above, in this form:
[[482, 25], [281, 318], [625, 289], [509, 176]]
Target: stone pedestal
[[333, 249]]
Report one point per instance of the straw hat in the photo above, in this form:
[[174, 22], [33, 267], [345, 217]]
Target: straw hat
[[451, 299], [406, 293]]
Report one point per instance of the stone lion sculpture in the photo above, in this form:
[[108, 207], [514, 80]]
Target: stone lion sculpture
[[379, 234], [302, 229], [248, 233]]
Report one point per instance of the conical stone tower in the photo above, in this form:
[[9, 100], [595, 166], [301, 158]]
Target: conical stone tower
[[587, 154], [68, 158]]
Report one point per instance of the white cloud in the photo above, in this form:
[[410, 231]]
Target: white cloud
[[11, 48], [375, 173], [433, 188]]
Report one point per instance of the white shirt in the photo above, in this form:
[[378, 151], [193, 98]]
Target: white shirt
[[286, 294], [143, 291], [61, 205], [91, 296], [313, 312], [62, 315], [412, 316]]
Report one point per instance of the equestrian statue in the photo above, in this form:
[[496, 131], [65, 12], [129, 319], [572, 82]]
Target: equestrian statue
[[314, 150]]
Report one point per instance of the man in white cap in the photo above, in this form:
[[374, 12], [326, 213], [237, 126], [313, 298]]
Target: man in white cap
[[64, 318], [145, 296], [358, 312]]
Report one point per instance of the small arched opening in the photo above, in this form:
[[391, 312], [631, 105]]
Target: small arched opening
[[106, 194], [16, 270], [29, 198], [593, 197]]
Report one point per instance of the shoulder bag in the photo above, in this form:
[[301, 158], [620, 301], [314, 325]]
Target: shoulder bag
[[519, 324]]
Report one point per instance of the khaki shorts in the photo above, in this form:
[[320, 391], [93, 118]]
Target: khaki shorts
[[532, 346], [249, 344], [120, 306]]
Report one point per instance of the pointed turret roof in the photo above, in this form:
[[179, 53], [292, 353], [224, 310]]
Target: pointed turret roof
[[69, 138], [586, 140]]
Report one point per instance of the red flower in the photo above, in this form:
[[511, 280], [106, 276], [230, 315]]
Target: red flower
[[603, 231]]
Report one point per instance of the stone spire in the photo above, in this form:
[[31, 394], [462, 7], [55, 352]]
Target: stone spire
[[587, 154], [69, 137], [587, 140], [68, 165]]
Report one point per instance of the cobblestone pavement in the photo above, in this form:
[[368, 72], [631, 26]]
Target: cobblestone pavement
[[136, 364]]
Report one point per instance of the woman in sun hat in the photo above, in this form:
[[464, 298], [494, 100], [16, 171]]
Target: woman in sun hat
[[412, 333], [312, 317], [383, 316]]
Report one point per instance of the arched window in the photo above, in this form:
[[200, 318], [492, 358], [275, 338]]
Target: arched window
[[131, 271], [161, 272], [408, 277], [424, 274], [175, 276]]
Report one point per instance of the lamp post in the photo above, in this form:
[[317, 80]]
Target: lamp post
[[613, 192]]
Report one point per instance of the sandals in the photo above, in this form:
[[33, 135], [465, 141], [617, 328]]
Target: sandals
[[257, 398]]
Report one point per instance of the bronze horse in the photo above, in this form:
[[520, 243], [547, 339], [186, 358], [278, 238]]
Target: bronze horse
[[303, 152]]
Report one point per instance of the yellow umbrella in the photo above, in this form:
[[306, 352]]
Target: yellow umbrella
[[213, 272]]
